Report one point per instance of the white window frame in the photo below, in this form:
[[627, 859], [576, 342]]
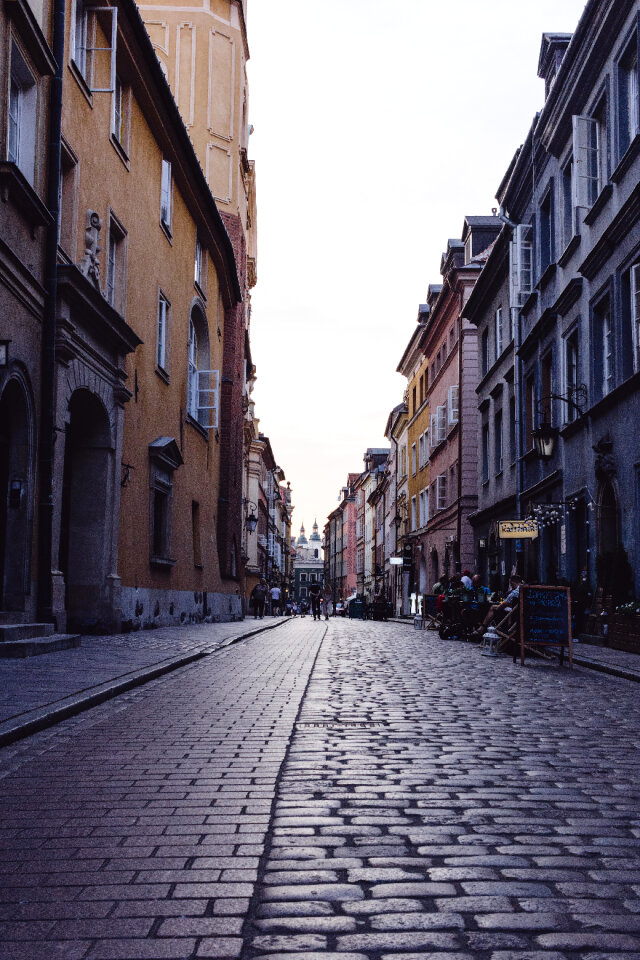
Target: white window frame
[[421, 452], [606, 321], [162, 354], [426, 447], [414, 518], [198, 269], [413, 460], [166, 196], [521, 264], [22, 113], [203, 395], [589, 158], [441, 413], [80, 40], [441, 492], [453, 403], [498, 332]]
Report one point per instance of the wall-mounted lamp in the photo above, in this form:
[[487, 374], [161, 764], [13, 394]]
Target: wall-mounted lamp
[[251, 520]]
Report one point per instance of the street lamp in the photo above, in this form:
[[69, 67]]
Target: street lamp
[[251, 520], [545, 436]]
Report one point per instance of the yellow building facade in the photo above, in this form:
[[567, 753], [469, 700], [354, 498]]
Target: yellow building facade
[[147, 281]]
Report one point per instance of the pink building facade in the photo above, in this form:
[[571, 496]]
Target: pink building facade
[[452, 349]]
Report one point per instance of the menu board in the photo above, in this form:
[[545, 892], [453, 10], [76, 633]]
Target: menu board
[[545, 618]]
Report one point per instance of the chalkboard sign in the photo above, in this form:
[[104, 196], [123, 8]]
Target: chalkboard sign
[[545, 618]]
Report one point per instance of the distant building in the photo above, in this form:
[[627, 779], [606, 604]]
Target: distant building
[[308, 565]]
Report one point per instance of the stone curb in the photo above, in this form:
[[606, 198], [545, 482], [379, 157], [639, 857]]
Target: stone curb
[[42, 718]]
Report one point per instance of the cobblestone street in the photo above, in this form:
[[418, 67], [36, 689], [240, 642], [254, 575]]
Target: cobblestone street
[[349, 789]]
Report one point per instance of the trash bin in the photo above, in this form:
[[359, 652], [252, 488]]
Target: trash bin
[[356, 610]]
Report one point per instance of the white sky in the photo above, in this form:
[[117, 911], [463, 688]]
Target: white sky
[[378, 127]]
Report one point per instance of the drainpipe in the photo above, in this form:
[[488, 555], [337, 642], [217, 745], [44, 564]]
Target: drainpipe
[[517, 393], [47, 384]]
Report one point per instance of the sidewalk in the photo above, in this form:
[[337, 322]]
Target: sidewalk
[[617, 663], [39, 691]]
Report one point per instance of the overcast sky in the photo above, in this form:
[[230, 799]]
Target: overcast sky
[[377, 127]]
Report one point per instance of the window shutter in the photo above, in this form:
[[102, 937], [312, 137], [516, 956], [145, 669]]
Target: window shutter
[[441, 491], [454, 393], [521, 250], [442, 423], [434, 430], [584, 136]]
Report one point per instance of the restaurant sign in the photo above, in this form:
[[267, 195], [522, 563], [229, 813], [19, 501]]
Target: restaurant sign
[[518, 529]]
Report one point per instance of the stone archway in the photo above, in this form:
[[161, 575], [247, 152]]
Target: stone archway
[[16, 495], [85, 528]]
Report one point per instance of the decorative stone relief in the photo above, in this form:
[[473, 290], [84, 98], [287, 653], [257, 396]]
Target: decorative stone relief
[[90, 263], [605, 461]]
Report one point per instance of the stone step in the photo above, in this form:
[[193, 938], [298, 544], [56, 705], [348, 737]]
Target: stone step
[[34, 646], [24, 631]]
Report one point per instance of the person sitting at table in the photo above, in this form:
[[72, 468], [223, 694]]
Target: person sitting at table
[[497, 610]]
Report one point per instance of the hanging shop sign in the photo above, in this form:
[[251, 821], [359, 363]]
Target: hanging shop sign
[[518, 529]]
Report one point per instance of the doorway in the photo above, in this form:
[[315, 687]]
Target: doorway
[[16, 496], [85, 532]]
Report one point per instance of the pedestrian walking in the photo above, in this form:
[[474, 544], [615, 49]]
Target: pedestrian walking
[[326, 600], [258, 597], [314, 593], [275, 601]]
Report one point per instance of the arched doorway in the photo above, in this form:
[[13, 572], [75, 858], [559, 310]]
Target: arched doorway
[[85, 533], [16, 496], [608, 533]]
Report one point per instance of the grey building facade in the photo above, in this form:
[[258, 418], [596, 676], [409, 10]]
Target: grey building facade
[[558, 317]]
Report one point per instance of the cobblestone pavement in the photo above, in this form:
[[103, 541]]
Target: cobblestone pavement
[[430, 803], [34, 686]]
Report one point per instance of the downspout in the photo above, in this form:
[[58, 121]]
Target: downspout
[[517, 393], [47, 381], [458, 560]]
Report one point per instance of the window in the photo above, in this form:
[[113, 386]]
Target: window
[[195, 533], [202, 383], [568, 213], [426, 447], [546, 386], [441, 492], [116, 265], [498, 330], [413, 460], [414, 519], [452, 403], [444, 351], [421, 452], [165, 196], [415, 405], [485, 452], [303, 577], [631, 314], [603, 347], [120, 119], [198, 273], [21, 114], [421, 389], [424, 507], [162, 357], [571, 373], [484, 352], [521, 260], [165, 458], [497, 425], [627, 97], [403, 460], [590, 155], [530, 411], [442, 423], [79, 51], [512, 429], [546, 230]]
